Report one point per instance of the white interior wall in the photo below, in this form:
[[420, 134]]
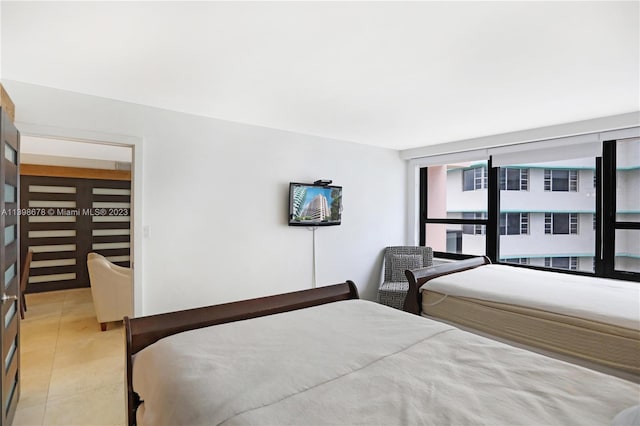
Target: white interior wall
[[215, 200]]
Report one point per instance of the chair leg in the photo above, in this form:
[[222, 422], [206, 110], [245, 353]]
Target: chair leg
[[103, 326], [23, 307], [24, 302]]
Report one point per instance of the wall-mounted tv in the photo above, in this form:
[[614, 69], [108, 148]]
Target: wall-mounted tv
[[314, 205]]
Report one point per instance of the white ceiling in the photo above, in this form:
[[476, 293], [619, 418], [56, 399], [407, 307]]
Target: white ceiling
[[391, 74]]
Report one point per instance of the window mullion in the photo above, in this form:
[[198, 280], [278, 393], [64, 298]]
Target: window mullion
[[424, 188], [492, 238], [608, 188]]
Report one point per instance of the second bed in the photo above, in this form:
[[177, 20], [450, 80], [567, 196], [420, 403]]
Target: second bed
[[592, 319]]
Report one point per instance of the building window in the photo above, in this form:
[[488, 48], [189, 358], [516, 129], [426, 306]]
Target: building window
[[570, 263], [454, 241], [560, 223], [475, 229], [514, 179], [474, 179], [514, 223], [560, 180], [518, 260]]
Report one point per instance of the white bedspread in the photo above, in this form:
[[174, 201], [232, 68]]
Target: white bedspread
[[608, 301], [357, 362]]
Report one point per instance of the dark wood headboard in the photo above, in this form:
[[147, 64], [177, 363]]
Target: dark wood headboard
[[144, 331], [417, 277]]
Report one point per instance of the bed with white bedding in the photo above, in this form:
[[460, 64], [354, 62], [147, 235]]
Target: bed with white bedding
[[347, 361], [594, 319]]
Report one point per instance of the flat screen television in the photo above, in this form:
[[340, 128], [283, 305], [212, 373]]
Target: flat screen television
[[314, 205]]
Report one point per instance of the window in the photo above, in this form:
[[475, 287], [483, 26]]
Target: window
[[622, 230], [514, 223], [474, 179], [514, 179], [454, 219], [540, 208], [570, 262], [560, 180], [560, 223]]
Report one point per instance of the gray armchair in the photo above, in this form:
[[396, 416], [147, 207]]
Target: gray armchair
[[393, 290]]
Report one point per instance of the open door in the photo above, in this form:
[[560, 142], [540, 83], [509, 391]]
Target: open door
[[9, 270]]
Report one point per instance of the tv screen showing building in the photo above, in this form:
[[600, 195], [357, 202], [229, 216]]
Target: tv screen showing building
[[314, 205]]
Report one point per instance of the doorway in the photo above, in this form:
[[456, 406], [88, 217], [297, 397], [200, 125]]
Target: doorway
[[77, 197], [75, 205]]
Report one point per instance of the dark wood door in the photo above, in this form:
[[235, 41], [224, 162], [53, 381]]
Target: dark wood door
[[69, 218], [9, 271]]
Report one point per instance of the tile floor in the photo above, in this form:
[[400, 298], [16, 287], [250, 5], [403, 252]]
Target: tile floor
[[72, 373]]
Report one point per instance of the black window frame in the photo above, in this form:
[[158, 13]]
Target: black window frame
[[609, 222], [490, 224]]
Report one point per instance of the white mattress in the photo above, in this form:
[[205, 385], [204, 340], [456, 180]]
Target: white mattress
[[357, 362], [608, 301]]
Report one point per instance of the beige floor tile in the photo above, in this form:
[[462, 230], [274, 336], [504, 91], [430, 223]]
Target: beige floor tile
[[34, 389], [101, 406], [84, 305], [29, 416], [84, 324], [43, 305], [79, 298], [34, 327], [71, 372], [84, 376], [89, 347], [45, 297], [42, 315], [39, 340], [36, 362]]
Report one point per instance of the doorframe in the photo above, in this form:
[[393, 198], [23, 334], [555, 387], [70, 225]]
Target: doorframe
[[137, 209]]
